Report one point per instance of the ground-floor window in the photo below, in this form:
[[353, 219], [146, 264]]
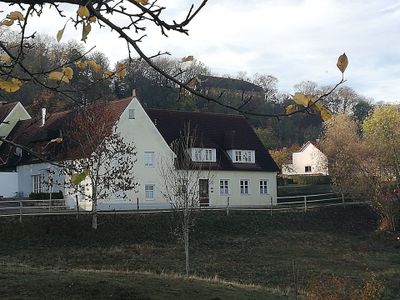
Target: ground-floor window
[[149, 190], [244, 186], [38, 183], [224, 187], [263, 186]]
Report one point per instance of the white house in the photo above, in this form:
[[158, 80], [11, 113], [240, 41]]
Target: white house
[[239, 166], [308, 161]]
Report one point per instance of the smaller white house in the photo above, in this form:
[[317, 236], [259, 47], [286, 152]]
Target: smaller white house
[[308, 161]]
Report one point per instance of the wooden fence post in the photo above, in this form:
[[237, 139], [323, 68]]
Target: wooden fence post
[[20, 212], [77, 207], [305, 203], [343, 200], [271, 204], [227, 206], [137, 203]]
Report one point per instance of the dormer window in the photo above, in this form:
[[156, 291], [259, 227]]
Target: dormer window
[[242, 156], [203, 154]]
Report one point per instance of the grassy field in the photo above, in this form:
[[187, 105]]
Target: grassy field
[[248, 255], [303, 189]]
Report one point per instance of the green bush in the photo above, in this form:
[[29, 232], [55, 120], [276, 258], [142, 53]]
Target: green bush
[[311, 179], [44, 196]]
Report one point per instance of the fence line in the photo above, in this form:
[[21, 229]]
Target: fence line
[[20, 208]]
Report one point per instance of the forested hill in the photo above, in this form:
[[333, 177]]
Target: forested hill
[[257, 93]]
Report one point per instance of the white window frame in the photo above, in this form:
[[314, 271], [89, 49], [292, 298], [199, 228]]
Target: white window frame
[[204, 154], [149, 159], [224, 187], [263, 187], [242, 156], [131, 113], [305, 169], [149, 188], [38, 183], [244, 186]]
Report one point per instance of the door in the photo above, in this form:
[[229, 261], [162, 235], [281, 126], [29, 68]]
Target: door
[[204, 198]]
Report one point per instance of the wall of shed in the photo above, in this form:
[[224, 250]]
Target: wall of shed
[[8, 184]]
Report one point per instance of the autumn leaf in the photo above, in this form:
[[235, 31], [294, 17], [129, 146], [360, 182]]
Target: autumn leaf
[[302, 99], [68, 72], [80, 64], [290, 109], [83, 12], [58, 76], [342, 62], [187, 58], [76, 179], [5, 58], [58, 140], [60, 33], [7, 22], [120, 70], [15, 15], [93, 65], [92, 19], [10, 86], [85, 31], [325, 114], [107, 74], [143, 2]]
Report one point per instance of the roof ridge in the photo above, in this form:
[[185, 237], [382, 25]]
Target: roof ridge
[[196, 112]]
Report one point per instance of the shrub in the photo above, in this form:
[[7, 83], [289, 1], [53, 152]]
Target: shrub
[[311, 179], [45, 196]]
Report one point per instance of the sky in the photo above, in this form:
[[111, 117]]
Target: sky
[[293, 40]]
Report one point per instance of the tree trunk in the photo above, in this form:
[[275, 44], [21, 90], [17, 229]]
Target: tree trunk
[[94, 213]]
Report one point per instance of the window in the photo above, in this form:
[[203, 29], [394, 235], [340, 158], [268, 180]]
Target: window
[[242, 156], [131, 113], [82, 191], [263, 186], [307, 169], [38, 183], [149, 191], [204, 154], [149, 159], [244, 187], [224, 187], [18, 151]]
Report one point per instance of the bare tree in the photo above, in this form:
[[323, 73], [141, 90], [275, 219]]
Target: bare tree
[[181, 186], [100, 161]]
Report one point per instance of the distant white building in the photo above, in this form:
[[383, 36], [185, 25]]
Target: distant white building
[[308, 161]]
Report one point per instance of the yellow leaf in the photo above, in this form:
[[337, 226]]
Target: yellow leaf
[[187, 58], [15, 15], [318, 105], [68, 72], [342, 62], [58, 140], [290, 109], [107, 74], [302, 99], [10, 86], [5, 58], [83, 12], [80, 64], [120, 70], [76, 179], [92, 19], [143, 2], [60, 33], [58, 76], [93, 65], [325, 114], [7, 22], [85, 31]]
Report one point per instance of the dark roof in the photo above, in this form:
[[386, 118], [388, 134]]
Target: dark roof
[[220, 131], [31, 134], [228, 83], [5, 109]]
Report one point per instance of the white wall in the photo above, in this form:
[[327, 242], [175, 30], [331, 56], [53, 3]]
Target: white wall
[[8, 184]]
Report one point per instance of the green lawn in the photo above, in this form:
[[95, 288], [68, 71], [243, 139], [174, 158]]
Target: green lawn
[[303, 189], [131, 256]]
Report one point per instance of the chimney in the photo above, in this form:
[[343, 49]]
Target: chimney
[[43, 117], [133, 93]]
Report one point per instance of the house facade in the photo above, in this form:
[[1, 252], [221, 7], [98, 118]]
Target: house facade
[[310, 160], [236, 167]]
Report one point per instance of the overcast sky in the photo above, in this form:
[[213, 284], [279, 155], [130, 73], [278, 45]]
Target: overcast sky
[[293, 40]]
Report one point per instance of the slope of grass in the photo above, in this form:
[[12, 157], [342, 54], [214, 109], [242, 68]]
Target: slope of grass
[[246, 247]]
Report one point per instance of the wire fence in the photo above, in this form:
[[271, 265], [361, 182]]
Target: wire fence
[[23, 207]]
